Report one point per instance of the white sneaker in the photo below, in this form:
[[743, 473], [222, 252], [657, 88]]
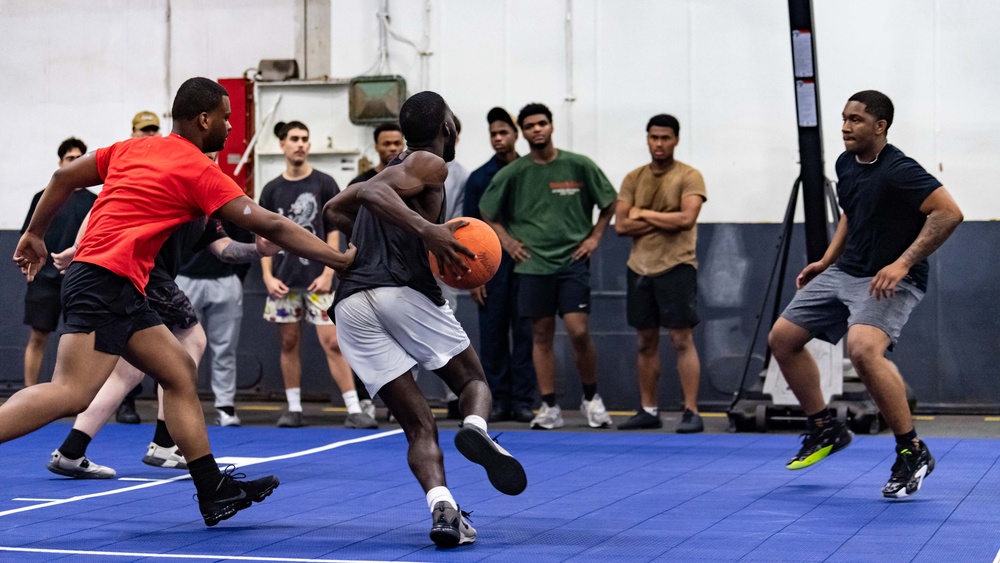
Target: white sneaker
[[223, 419], [368, 407], [548, 417], [81, 468], [170, 458], [597, 416]]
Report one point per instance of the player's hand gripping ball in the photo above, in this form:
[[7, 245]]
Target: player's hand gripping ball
[[478, 237]]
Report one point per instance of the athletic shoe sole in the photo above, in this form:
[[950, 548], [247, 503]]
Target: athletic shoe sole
[[822, 454], [558, 423], [448, 537], [164, 463], [76, 474], [505, 473], [230, 510]]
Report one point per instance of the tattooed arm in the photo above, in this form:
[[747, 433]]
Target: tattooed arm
[[943, 217], [232, 252]]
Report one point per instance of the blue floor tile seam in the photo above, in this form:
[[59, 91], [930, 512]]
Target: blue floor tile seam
[[888, 504], [680, 476], [772, 492], [611, 478], [956, 507], [584, 549]]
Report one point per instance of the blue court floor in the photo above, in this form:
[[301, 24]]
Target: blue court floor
[[348, 495]]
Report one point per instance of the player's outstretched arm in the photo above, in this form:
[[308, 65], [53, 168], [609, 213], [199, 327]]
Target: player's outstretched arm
[[234, 252], [244, 212], [31, 253]]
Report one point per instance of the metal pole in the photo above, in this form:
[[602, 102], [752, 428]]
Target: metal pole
[[806, 79]]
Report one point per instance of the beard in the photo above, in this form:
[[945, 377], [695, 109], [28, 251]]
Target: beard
[[538, 146], [449, 150], [215, 143]]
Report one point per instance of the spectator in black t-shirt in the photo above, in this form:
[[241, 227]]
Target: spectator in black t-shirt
[[873, 274], [388, 144], [42, 305], [301, 290]]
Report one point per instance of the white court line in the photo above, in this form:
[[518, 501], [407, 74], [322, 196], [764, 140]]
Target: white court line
[[997, 558], [243, 462], [183, 556]]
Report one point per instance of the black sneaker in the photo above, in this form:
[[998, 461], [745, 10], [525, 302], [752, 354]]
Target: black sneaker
[[231, 496], [522, 413], [126, 412], [690, 423], [819, 443], [912, 465], [641, 420], [450, 527], [505, 473], [499, 414]]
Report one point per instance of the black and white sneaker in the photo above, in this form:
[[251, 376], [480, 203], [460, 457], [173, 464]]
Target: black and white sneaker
[[450, 527], [231, 496], [912, 465], [505, 473]]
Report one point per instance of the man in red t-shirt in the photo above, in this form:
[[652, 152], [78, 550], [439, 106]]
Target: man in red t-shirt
[[152, 185]]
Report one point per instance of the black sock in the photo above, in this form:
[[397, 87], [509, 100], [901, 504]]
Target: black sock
[[549, 399], [589, 390], [228, 410], [75, 445], [205, 474], [161, 437], [906, 440], [822, 419]]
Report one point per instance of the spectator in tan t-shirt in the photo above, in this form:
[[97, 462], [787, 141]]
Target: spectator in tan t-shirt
[[658, 207]]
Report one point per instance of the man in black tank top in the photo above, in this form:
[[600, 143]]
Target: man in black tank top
[[391, 316]]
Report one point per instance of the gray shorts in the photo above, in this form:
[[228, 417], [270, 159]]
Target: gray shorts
[[385, 331], [834, 301]]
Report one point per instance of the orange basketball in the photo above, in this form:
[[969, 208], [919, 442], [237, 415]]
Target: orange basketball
[[478, 237]]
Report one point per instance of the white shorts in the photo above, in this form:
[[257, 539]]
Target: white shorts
[[384, 332]]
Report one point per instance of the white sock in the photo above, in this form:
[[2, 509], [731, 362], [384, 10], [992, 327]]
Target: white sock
[[652, 410], [438, 494], [477, 421], [294, 398], [351, 401]]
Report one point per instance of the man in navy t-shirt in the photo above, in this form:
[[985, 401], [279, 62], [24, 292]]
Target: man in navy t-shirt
[[873, 274]]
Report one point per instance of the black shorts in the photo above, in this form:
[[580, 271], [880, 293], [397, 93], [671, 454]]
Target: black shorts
[[669, 300], [42, 305], [172, 306], [98, 300], [566, 291]]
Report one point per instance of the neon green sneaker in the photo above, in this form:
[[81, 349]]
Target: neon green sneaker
[[819, 443]]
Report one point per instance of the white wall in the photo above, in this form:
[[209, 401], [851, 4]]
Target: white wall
[[723, 67], [72, 68]]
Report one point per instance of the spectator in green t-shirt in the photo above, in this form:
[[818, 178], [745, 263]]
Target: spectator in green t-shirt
[[542, 207]]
